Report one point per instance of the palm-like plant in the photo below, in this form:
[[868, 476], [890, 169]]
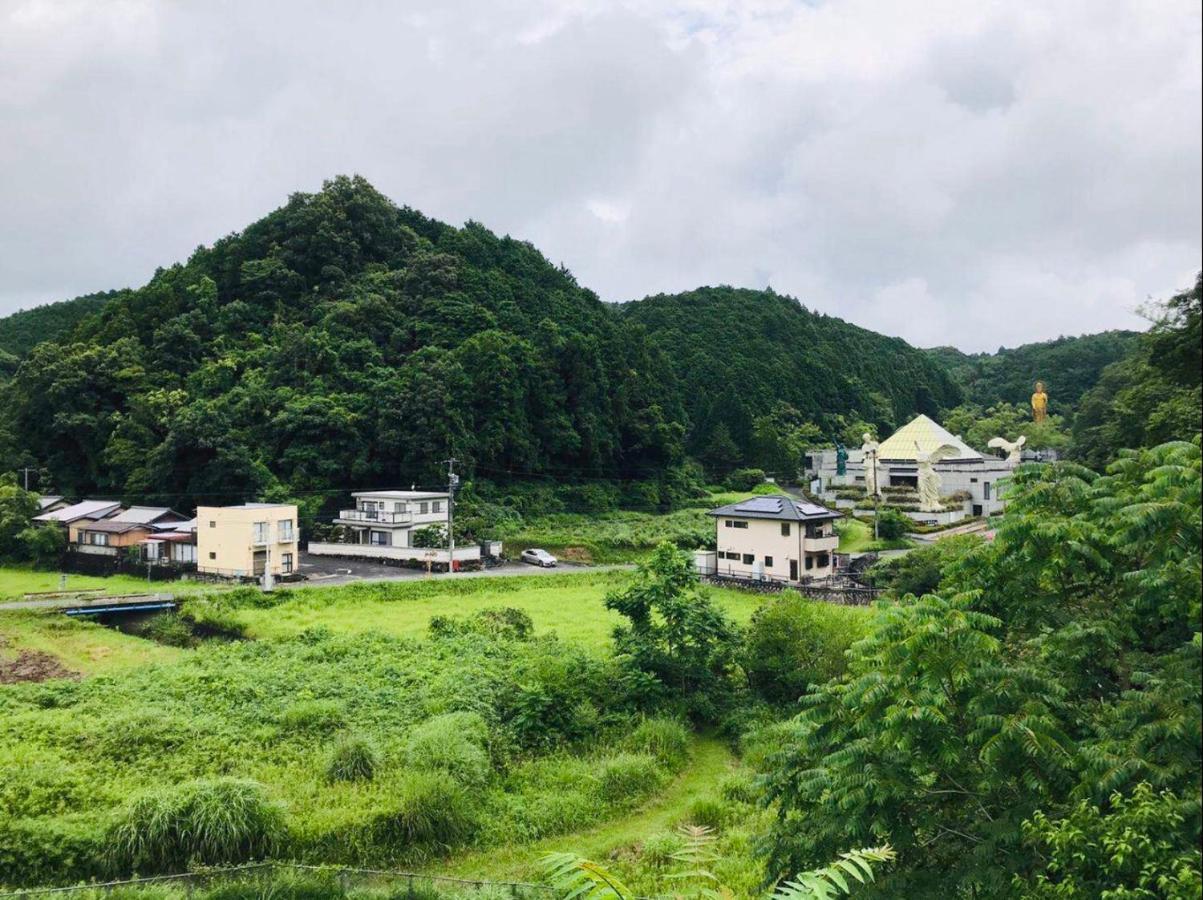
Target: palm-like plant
[[832, 880], [577, 878]]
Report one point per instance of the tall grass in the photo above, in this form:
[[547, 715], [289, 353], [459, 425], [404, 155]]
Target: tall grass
[[428, 814], [352, 758], [210, 821]]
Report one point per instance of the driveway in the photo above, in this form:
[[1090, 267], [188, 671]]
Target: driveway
[[322, 570]]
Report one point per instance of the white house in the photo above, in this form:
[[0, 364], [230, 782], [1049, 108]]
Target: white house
[[775, 537], [382, 527]]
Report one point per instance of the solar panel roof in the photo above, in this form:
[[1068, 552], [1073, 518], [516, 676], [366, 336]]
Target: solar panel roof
[[760, 504]]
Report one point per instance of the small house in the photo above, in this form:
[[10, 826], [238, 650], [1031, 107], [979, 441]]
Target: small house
[[246, 541], [776, 538]]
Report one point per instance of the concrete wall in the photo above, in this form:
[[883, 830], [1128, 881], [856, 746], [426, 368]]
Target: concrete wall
[[771, 550], [225, 539], [417, 554]]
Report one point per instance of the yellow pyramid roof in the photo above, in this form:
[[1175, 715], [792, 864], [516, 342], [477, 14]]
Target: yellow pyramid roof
[[929, 435]]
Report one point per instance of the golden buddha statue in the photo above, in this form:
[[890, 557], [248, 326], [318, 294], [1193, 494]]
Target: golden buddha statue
[[1039, 403]]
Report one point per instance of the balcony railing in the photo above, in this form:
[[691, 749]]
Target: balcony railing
[[375, 516]]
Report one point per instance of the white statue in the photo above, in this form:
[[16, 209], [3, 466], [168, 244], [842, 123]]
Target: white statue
[[1013, 450], [929, 480], [869, 455]]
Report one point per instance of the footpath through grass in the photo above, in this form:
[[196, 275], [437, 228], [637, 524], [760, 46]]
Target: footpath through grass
[[710, 761]]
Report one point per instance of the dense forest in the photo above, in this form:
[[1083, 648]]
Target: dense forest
[[1068, 366], [343, 341], [22, 330]]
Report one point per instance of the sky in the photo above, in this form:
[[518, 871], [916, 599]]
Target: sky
[[970, 173]]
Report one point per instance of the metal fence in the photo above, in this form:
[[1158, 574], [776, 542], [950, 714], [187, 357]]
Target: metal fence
[[258, 878]]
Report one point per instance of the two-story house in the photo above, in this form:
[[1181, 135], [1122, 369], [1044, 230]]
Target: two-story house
[[775, 537], [389, 518], [246, 541]]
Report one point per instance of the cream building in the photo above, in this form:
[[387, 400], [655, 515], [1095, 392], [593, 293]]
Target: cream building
[[777, 538], [245, 541]]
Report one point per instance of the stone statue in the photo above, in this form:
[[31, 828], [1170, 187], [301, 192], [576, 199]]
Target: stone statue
[[929, 480], [841, 459], [1039, 403], [869, 449], [1013, 450]]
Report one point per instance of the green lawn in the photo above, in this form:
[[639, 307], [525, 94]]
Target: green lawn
[[569, 604], [16, 581], [83, 647], [857, 537]]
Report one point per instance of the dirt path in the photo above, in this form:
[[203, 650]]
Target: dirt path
[[711, 760]]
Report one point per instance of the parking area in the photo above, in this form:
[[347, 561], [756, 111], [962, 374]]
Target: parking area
[[335, 570]]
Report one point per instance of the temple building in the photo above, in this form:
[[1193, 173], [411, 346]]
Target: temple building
[[970, 483]]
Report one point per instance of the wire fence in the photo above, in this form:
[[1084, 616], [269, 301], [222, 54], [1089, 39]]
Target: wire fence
[[258, 878]]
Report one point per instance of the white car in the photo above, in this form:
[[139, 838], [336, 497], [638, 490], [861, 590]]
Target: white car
[[538, 558]]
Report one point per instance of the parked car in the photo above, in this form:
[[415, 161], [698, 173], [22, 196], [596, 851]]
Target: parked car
[[538, 558]]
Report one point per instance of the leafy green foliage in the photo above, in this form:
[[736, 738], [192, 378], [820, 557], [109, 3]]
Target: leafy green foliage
[[834, 880], [921, 571], [675, 634], [1139, 846], [352, 758], [581, 879], [1061, 663], [21, 331], [20, 539], [453, 743], [977, 425], [211, 821], [427, 813], [892, 525]]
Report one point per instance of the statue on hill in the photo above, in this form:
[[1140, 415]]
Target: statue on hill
[[929, 479], [1039, 403], [869, 451], [1014, 450], [841, 459]]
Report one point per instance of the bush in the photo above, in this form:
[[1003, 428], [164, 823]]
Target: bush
[[429, 812], [892, 524], [626, 776], [49, 851], [793, 643], [658, 849], [352, 758], [665, 739], [314, 716], [210, 821], [739, 788], [709, 812], [453, 743], [745, 479], [170, 629]]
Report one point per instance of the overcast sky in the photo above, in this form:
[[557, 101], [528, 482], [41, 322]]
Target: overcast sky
[[973, 173]]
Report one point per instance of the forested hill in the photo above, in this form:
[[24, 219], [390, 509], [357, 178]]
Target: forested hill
[[20, 331], [341, 341], [738, 353], [1068, 366]]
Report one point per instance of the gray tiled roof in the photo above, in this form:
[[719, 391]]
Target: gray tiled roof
[[776, 506]]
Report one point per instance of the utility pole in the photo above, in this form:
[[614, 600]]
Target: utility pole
[[876, 495], [25, 471], [452, 484]]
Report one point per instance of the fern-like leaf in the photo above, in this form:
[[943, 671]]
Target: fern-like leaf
[[831, 881]]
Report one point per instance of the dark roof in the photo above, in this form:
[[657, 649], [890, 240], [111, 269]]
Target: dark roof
[[114, 527], [776, 506]]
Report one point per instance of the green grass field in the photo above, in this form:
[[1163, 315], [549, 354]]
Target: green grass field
[[857, 537], [568, 604], [16, 581], [81, 646]]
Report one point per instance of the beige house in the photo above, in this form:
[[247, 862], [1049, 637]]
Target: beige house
[[777, 538], [245, 541]]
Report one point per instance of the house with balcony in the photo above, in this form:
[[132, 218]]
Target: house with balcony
[[383, 524], [777, 538], [244, 542]]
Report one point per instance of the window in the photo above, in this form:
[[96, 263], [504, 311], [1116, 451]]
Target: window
[[379, 538], [785, 529], [986, 490], [259, 532], [728, 523], [286, 563], [749, 559], [98, 538], [284, 528], [436, 506], [810, 562], [398, 507], [823, 560], [768, 562], [423, 508], [212, 524], [973, 481], [739, 524], [733, 556], [212, 555]]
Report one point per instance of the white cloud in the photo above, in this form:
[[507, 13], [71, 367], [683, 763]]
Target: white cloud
[[976, 174]]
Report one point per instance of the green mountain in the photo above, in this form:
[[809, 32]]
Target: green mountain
[[737, 353], [20, 331], [1068, 366]]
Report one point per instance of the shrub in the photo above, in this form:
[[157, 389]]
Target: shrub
[[793, 643], [665, 739], [453, 743], [428, 812], [352, 758], [49, 850], [170, 629], [709, 812], [626, 776], [740, 788], [314, 716], [658, 849], [210, 821], [892, 524], [745, 479]]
